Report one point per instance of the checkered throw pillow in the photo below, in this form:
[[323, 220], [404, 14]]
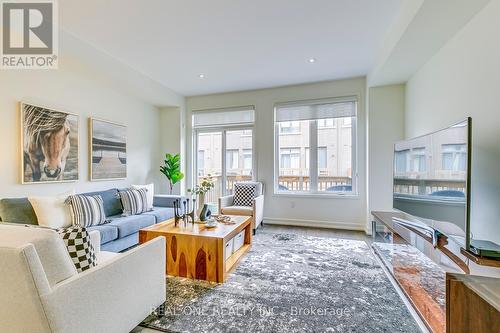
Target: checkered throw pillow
[[81, 251], [244, 193]]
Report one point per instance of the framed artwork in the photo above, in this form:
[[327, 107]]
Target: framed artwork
[[108, 150], [49, 141]]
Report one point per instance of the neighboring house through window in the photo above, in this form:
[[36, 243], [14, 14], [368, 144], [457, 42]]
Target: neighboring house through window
[[320, 157]]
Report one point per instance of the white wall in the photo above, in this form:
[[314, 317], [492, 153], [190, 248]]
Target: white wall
[[386, 107], [77, 88], [462, 80], [172, 134], [347, 213]]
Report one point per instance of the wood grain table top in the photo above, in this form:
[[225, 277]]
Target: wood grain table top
[[222, 231]]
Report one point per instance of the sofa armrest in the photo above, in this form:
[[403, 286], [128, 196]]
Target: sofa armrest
[[95, 240], [258, 210], [226, 201], [163, 200], [116, 295]]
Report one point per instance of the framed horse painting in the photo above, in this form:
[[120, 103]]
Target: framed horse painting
[[49, 141], [108, 150]]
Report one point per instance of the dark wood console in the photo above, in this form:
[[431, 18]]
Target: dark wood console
[[473, 304]]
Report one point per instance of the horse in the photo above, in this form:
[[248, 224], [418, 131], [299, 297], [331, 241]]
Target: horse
[[46, 139]]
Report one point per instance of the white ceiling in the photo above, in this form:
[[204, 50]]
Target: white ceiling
[[237, 44]]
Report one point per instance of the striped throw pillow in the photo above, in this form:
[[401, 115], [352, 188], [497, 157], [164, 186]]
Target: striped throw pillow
[[86, 211], [134, 201]]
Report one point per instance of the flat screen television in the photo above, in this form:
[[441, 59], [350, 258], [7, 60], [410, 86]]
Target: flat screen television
[[432, 180]]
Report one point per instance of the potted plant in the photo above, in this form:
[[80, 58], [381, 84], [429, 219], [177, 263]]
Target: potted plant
[[205, 185], [172, 169]]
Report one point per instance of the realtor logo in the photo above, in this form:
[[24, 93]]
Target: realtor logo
[[29, 34]]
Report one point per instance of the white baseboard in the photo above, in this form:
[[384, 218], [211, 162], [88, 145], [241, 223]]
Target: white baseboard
[[315, 224], [368, 231]]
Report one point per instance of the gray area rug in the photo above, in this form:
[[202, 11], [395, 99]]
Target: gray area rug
[[290, 283]]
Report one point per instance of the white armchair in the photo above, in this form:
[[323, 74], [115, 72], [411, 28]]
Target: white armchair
[[256, 211], [42, 292]]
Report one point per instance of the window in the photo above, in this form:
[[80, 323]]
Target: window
[[454, 157], [400, 161], [201, 162], [418, 160], [326, 123], [290, 159], [223, 142], [232, 158], [247, 159], [290, 127], [347, 122], [321, 158]]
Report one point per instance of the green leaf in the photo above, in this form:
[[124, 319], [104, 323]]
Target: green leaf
[[171, 168]]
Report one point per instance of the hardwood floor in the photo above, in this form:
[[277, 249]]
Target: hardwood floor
[[304, 231]]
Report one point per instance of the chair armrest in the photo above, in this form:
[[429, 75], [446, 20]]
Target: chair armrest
[[162, 200], [114, 297], [226, 201], [258, 209], [95, 240]]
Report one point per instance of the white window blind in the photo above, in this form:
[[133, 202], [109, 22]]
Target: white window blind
[[244, 115], [316, 109]]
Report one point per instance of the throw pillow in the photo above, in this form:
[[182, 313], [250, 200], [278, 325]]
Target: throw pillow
[[80, 249], [150, 194], [134, 202], [86, 210], [52, 212], [17, 210], [244, 193]]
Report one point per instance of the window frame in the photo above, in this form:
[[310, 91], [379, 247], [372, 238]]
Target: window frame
[[313, 156], [235, 158]]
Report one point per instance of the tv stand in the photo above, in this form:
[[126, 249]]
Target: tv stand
[[419, 262], [435, 239], [480, 260]]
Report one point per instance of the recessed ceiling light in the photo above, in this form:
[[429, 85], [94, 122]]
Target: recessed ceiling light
[[311, 60], [201, 76]]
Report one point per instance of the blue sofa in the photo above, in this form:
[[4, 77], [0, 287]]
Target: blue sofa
[[120, 233]]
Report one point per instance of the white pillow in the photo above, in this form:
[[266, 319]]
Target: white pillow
[[52, 212], [149, 194]]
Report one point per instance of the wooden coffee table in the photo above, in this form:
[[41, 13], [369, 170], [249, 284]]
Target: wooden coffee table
[[202, 253]]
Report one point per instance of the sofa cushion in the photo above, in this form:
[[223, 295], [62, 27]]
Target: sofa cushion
[[17, 210], [121, 244], [111, 201], [161, 213], [237, 210], [108, 232], [128, 225]]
